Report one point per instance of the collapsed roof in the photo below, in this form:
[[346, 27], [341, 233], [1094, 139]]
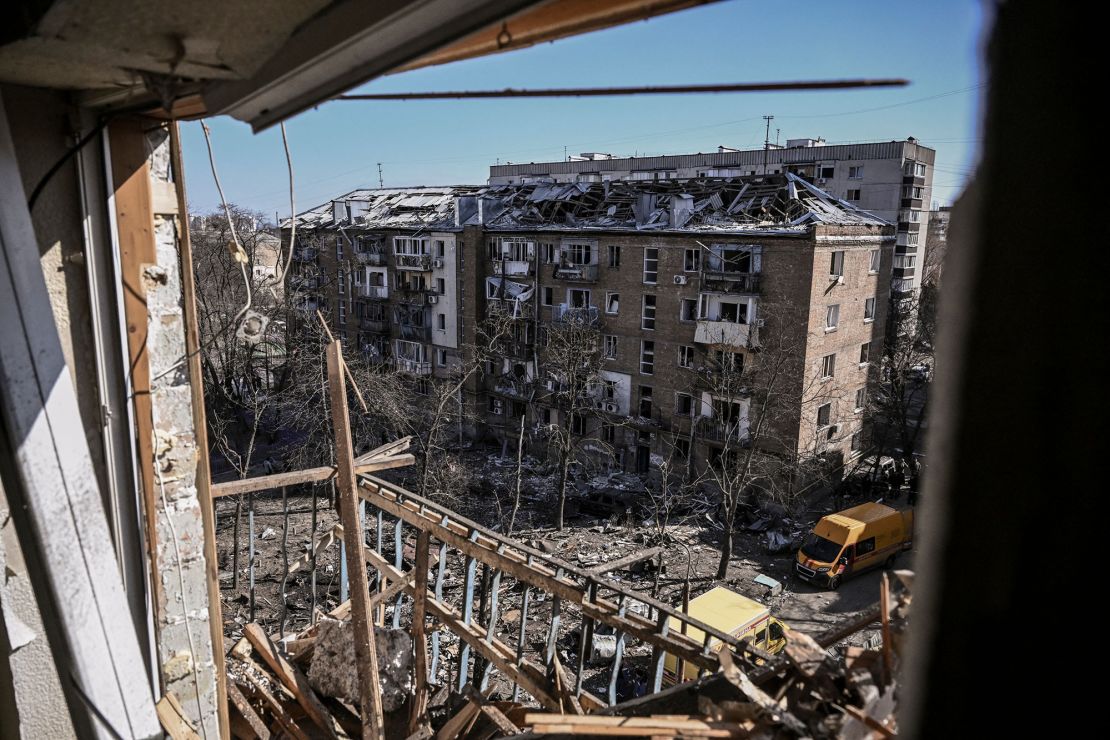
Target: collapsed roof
[[768, 204]]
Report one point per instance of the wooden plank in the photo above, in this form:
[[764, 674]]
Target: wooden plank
[[200, 429], [665, 725], [276, 708], [173, 719], [246, 711], [419, 637], [309, 475], [626, 561], [389, 449], [462, 719], [291, 677], [365, 647], [326, 540]]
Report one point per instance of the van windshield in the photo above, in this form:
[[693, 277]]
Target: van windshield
[[818, 548]]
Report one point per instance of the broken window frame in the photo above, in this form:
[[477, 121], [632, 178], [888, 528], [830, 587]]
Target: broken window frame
[[651, 266], [685, 356], [828, 366], [825, 410], [868, 310], [832, 317], [612, 303], [609, 346], [647, 312], [647, 357], [875, 258], [836, 263]]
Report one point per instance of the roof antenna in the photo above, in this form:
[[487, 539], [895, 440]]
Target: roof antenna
[[381, 183], [766, 141]]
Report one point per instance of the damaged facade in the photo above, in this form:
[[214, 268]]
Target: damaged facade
[[674, 275], [890, 179]]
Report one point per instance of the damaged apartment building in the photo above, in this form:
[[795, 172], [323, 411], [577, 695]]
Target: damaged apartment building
[[677, 277]]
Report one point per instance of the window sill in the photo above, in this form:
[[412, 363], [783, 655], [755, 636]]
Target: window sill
[[869, 321], [857, 411], [826, 379], [864, 364], [830, 329]]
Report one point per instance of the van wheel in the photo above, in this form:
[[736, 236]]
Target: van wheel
[[834, 583]]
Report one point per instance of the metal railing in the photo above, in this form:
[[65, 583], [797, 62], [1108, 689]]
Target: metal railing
[[740, 282], [413, 367], [376, 259], [376, 292], [420, 262], [574, 314], [576, 273], [508, 308]]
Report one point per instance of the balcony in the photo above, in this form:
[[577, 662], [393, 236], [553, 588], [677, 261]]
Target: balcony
[[309, 306], [417, 262], [376, 259], [417, 296], [306, 283], [305, 254], [715, 430], [414, 333], [739, 282], [576, 273], [565, 314], [726, 332], [412, 367], [375, 325], [507, 386], [510, 268], [374, 292], [510, 309]]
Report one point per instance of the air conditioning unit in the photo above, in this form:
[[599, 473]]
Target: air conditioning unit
[[599, 405], [838, 279], [433, 299], [437, 263], [679, 279], [611, 408], [821, 182]]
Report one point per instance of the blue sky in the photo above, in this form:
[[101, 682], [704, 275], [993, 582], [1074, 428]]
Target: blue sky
[[336, 147]]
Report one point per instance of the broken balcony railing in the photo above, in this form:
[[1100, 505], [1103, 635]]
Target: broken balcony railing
[[376, 259], [574, 314], [575, 272], [511, 268], [374, 292], [420, 262], [373, 324], [509, 308], [412, 367]]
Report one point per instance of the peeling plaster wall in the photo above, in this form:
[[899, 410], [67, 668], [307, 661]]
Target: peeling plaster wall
[[32, 704], [185, 643], [31, 701]]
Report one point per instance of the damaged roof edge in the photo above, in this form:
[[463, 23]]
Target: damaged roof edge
[[784, 205]]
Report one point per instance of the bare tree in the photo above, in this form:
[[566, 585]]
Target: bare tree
[[748, 414], [573, 363], [896, 406]]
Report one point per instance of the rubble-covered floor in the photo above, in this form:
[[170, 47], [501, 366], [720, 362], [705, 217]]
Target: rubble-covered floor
[[586, 541]]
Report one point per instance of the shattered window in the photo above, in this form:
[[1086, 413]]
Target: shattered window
[[692, 260], [861, 398], [548, 296], [683, 404], [869, 309], [836, 265], [688, 310], [685, 356], [614, 256], [824, 415], [651, 265], [864, 353], [647, 358], [874, 264], [648, 315], [832, 316], [828, 365], [609, 346], [854, 194], [612, 303]]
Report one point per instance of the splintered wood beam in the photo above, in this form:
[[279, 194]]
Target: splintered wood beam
[[626, 561], [309, 475], [246, 711], [365, 648], [291, 677], [662, 726]]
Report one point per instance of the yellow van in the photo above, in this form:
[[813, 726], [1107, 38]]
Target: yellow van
[[852, 541], [731, 613]]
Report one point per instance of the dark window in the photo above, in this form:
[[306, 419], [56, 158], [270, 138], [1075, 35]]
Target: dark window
[[864, 547]]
